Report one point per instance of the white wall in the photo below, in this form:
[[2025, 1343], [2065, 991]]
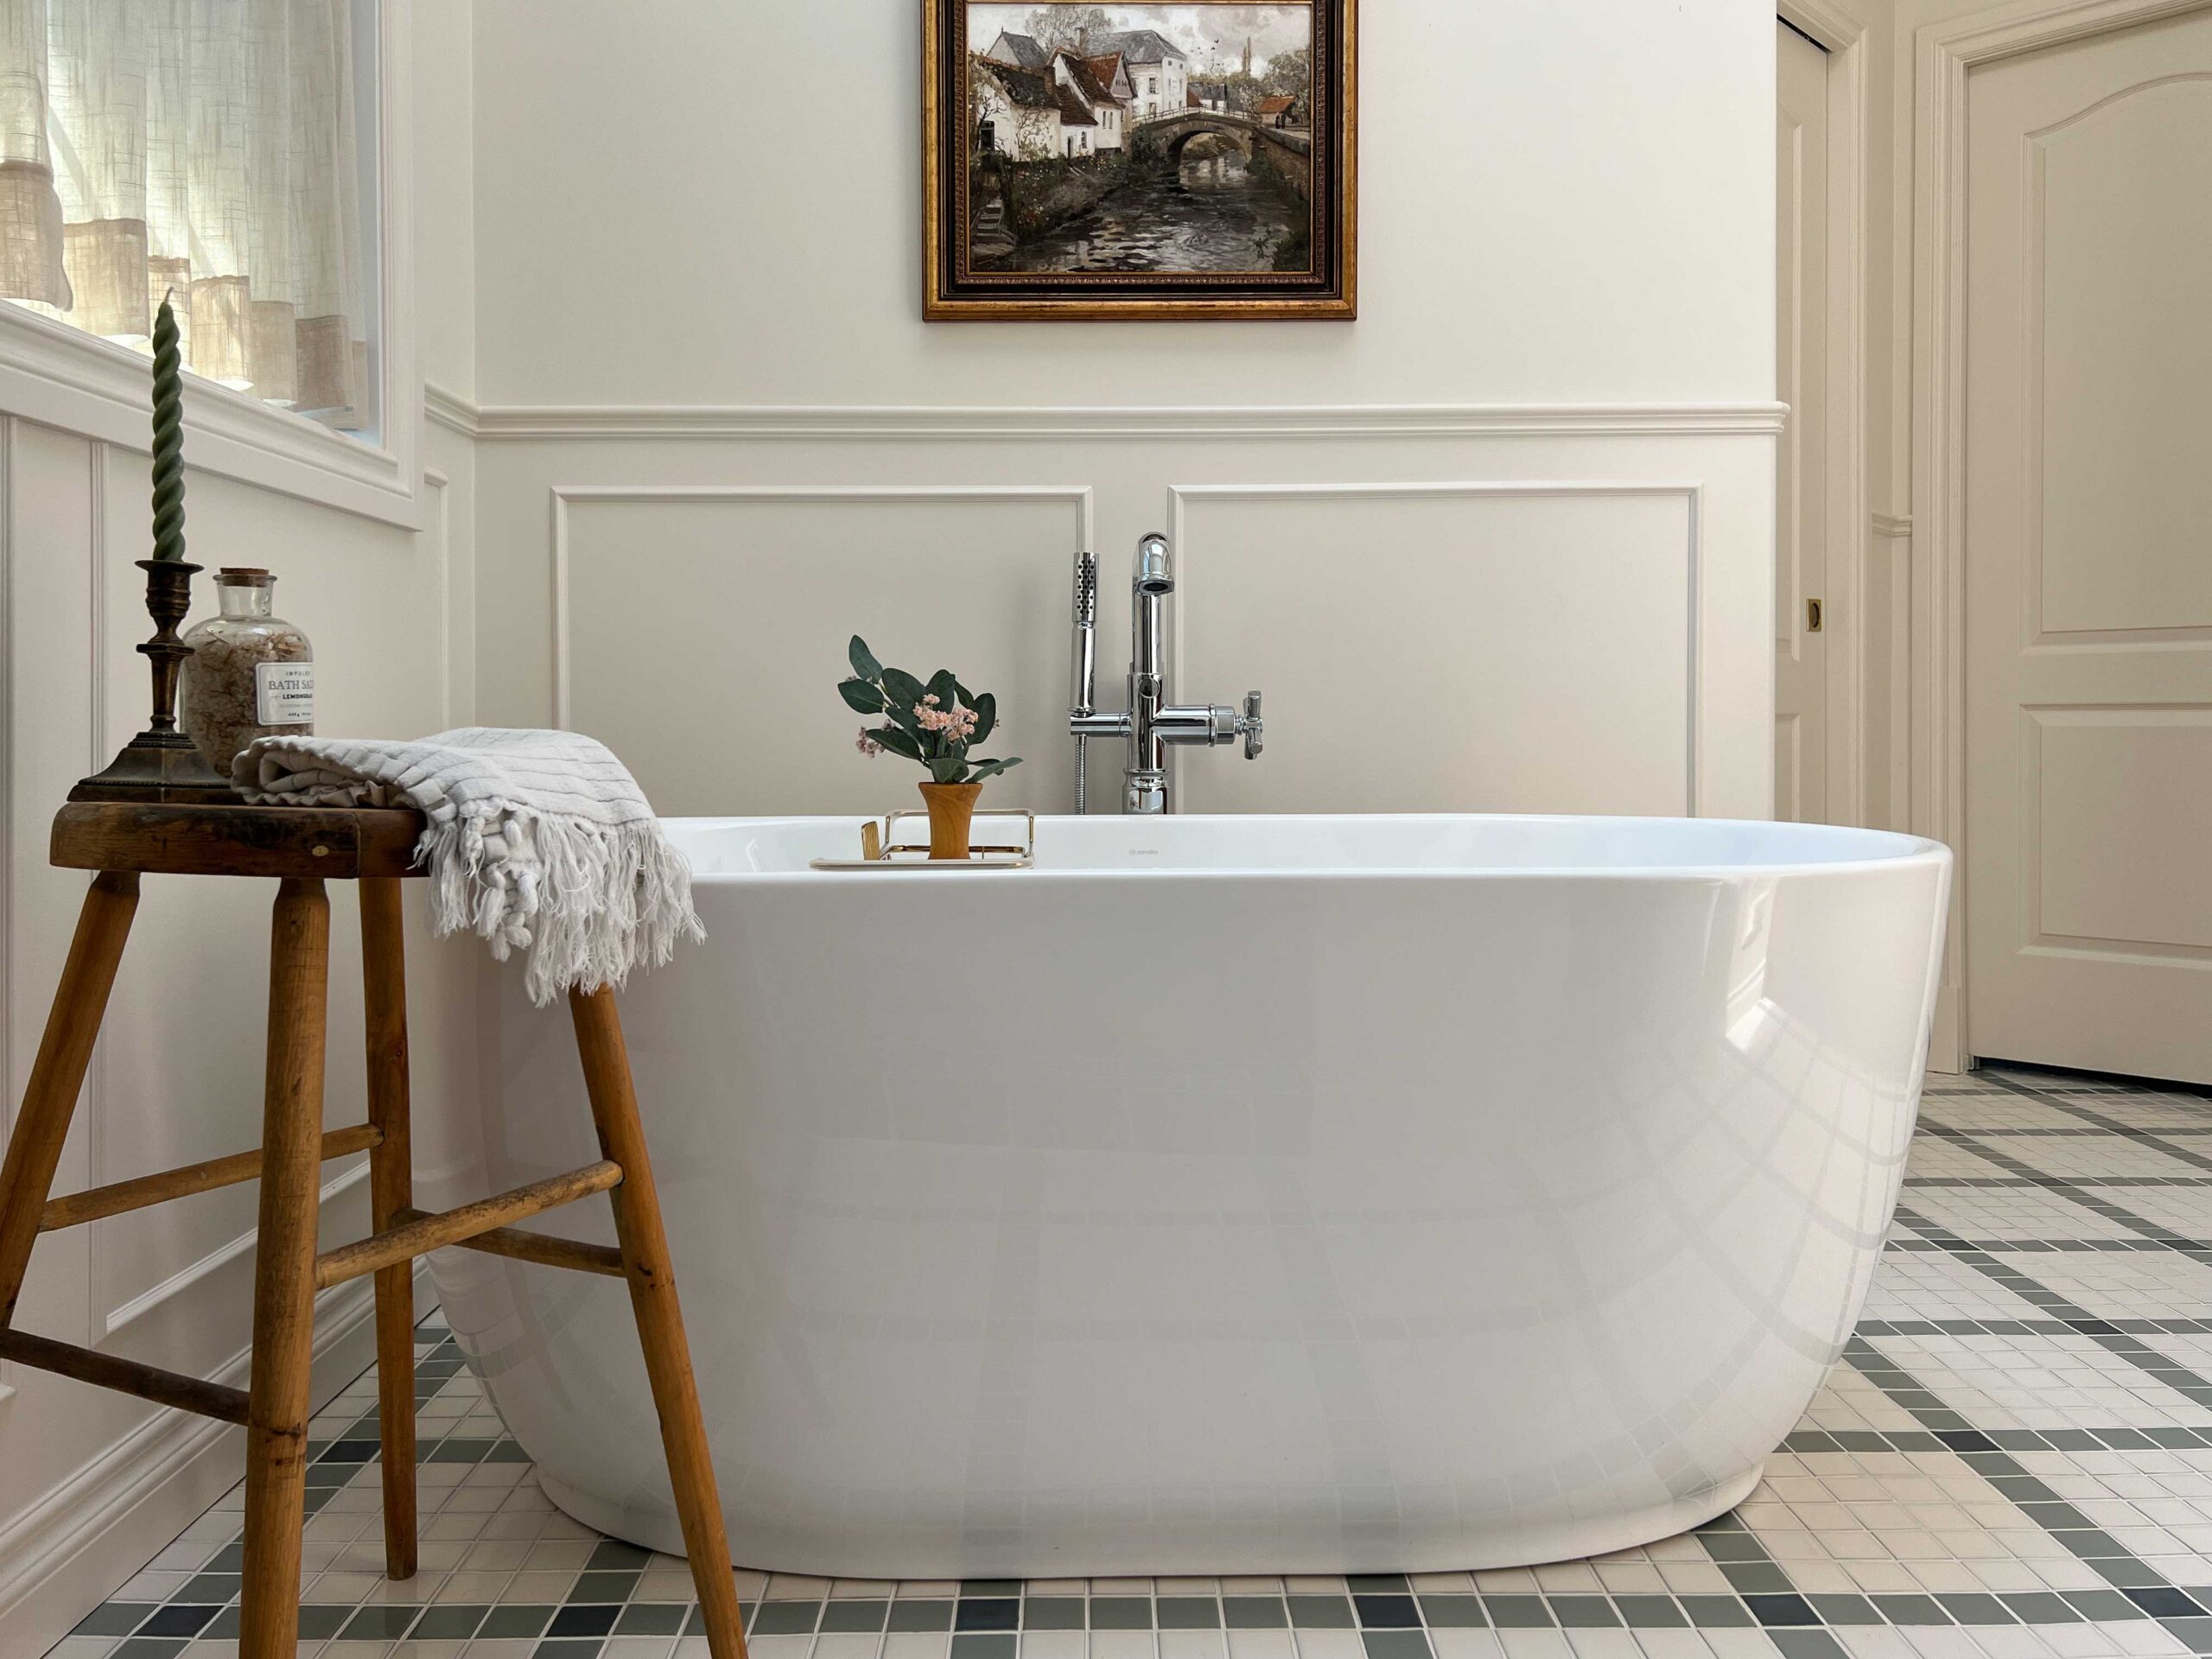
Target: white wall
[[92, 1484], [691, 295]]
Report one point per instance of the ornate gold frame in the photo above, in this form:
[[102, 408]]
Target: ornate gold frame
[[1330, 294]]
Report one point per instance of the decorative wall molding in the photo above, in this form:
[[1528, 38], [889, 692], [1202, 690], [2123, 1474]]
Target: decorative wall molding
[[1891, 527], [563, 495], [512, 423], [1180, 497], [65, 1553]]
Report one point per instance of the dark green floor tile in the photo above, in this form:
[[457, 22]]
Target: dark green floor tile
[[580, 1619], [379, 1623], [924, 1613], [786, 1618], [150, 1647], [1395, 1644], [987, 1613], [1910, 1610], [1975, 1609], [2039, 1607], [1254, 1612], [509, 1622], [613, 1556], [115, 1618], [652, 1619], [854, 1613], [449, 1622], [1385, 1612], [603, 1587], [1584, 1612], [209, 1587], [991, 1586], [1048, 1613], [1716, 1612], [1307, 1612], [1517, 1613], [983, 1644], [1845, 1610], [1125, 1613], [1650, 1612], [1452, 1613], [1757, 1578], [1377, 1584], [1187, 1612]]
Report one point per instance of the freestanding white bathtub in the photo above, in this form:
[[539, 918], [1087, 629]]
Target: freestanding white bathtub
[[1229, 1195]]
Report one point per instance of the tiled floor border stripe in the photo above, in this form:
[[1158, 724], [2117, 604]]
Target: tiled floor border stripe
[[2110, 1125], [2069, 1187], [2139, 1590]]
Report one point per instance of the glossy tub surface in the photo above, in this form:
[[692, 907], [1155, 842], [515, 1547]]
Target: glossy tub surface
[[1229, 1195]]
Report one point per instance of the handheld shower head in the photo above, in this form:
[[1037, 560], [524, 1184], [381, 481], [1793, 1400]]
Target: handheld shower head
[[1155, 571]]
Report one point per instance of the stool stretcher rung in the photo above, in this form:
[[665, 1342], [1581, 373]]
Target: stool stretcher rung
[[118, 1197], [414, 1238], [522, 1245], [125, 1375]]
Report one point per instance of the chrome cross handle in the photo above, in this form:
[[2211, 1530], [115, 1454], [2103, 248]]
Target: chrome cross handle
[[1251, 725]]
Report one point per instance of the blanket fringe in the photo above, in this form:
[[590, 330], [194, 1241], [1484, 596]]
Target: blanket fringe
[[588, 901]]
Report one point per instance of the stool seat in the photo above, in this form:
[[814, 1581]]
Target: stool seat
[[303, 848], [331, 843]]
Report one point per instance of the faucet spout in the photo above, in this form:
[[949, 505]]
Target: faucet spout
[[1153, 722]]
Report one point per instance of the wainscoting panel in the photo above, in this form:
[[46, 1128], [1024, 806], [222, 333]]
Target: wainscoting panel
[[94, 1482], [1479, 609], [1326, 584]]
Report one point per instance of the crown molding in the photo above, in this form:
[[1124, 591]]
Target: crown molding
[[532, 423]]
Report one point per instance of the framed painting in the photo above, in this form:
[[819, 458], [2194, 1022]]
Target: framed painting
[[1195, 159]]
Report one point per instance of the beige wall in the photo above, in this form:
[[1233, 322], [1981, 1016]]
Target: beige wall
[[92, 1484], [718, 296]]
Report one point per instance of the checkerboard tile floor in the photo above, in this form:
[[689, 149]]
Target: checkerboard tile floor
[[2013, 1457]]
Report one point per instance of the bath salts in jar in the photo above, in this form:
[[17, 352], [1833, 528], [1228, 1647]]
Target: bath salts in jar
[[251, 673]]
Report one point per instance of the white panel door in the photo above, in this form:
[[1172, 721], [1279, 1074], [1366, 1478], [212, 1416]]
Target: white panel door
[[1800, 319], [2088, 559]]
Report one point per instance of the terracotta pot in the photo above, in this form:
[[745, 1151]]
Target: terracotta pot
[[951, 806]]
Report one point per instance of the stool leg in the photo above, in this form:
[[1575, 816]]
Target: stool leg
[[72, 1025], [660, 1322], [391, 1188], [283, 1282]]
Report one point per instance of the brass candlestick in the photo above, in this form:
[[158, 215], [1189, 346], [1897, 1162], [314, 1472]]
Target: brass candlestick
[[161, 763]]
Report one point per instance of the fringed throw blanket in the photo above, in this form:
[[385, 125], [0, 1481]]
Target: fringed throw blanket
[[537, 839]]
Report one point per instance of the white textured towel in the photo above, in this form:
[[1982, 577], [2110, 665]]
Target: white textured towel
[[537, 839]]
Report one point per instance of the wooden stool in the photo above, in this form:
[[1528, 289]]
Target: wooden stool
[[303, 848]]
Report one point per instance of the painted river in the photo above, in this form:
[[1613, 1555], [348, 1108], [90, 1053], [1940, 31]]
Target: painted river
[[1211, 212]]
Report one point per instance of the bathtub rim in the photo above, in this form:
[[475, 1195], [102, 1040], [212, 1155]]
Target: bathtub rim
[[1888, 850]]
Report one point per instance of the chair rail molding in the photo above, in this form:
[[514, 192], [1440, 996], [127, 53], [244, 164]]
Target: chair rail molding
[[510, 424], [1944, 55]]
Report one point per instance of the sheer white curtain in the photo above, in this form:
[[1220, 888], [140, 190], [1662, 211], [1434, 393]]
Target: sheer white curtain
[[204, 146]]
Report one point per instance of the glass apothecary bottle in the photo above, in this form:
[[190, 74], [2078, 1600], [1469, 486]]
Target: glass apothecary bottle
[[252, 674]]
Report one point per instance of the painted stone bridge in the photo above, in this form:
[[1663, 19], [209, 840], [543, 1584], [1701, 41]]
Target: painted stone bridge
[[1288, 153]]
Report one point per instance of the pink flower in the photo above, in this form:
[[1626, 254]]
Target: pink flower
[[957, 724], [868, 744]]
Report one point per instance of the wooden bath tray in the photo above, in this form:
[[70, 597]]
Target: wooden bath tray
[[879, 852]]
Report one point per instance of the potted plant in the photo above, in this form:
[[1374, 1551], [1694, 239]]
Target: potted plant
[[935, 721]]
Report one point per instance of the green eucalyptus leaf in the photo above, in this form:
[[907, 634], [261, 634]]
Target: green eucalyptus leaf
[[897, 741], [862, 696], [903, 691], [987, 716], [945, 688], [864, 664], [949, 769]]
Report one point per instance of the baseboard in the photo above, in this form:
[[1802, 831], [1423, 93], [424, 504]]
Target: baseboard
[[92, 1534]]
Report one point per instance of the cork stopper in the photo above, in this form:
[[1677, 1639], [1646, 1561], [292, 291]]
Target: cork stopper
[[244, 575]]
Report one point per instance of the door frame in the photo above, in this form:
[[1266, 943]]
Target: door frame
[[1844, 38], [1943, 55]]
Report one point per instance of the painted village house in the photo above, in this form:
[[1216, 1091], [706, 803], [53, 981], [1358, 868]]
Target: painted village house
[[1103, 83], [1276, 111], [1159, 71], [1018, 112]]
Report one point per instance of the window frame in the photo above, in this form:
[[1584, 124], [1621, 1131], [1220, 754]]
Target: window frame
[[58, 376]]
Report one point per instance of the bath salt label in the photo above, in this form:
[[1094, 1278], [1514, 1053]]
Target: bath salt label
[[283, 694]]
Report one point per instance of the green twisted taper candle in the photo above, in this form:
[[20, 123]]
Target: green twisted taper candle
[[169, 436]]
